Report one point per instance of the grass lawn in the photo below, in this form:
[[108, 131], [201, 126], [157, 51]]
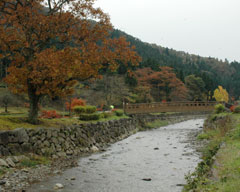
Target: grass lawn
[[17, 118]]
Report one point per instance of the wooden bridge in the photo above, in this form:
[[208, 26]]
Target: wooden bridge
[[169, 107]]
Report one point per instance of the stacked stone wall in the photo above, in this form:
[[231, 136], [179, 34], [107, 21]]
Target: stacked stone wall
[[75, 139], [66, 140]]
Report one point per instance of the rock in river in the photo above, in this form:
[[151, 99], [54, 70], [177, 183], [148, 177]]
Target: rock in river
[[58, 186], [147, 179]]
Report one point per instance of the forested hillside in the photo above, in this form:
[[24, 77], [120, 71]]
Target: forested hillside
[[214, 72], [150, 82]]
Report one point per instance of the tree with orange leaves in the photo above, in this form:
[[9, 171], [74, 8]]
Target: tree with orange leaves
[[53, 43], [164, 84], [144, 87]]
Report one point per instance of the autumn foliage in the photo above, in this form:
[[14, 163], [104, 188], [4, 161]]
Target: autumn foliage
[[221, 94], [51, 114], [232, 108], [53, 43], [163, 84], [75, 102]]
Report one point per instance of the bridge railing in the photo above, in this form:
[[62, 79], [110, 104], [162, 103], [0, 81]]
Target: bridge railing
[[169, 107]]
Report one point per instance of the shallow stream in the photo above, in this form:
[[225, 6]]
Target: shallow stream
[[149, 161]]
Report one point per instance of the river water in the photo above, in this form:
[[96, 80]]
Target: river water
[[149, 161]]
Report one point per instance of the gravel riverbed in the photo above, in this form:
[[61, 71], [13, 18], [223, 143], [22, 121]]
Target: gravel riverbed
[[155, 160]]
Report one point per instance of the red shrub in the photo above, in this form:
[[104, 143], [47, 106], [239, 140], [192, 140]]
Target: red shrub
[[75, 102], [100, 108], [232, 108], [50, 114]]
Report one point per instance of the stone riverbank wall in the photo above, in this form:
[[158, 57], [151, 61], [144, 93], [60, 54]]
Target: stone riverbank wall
[[76, 139]]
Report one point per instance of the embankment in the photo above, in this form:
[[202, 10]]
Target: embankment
[[220, 166], [64, 145], [76, 139]]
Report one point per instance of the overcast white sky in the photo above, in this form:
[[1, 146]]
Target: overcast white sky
[[202, 27]]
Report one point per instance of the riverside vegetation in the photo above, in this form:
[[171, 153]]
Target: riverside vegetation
[[220, 166]]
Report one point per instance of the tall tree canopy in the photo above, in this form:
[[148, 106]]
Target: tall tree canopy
[[53, 43], [164, 84], [196, 87]]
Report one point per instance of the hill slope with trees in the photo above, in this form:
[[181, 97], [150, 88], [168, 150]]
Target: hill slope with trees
[[200, 75], [213, 71]]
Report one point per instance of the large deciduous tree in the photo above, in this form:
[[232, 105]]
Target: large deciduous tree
[[164, 84], [53, 43]]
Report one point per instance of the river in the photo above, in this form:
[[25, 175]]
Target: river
[[149, 161]]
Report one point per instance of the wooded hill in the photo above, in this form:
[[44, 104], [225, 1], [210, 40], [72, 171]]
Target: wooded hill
[[213, 71], [111, 89]]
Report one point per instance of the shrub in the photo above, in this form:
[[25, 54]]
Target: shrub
[[119, 112], [237, 109], [50, 114], [105, 115], [85, 109], [87, 113], [79, 109], [90, 109], [75, 102], [219, 108], [232, 108], [100, 108], [89, 117]]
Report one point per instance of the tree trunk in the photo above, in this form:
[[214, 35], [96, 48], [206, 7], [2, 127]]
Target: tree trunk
[[70, 110], [6, 108], [33, 112]]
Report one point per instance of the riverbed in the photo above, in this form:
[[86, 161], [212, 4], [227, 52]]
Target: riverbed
[[155, 161]]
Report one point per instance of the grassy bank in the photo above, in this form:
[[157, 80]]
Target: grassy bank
[[17, 117], [220, 167], [154, 124]]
